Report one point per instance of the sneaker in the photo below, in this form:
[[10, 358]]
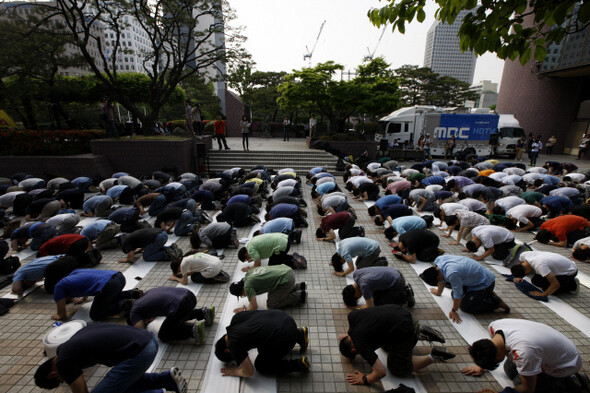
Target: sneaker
[[441, 354], [234, 241], [303, 297], [577, 290], [305, 365], [209, 313], [136, 293], [297, 236], [409, 296], [302, 203], [180, 385], [430, 334], [299, 261], [199, 333], [362, 231], [303, 339]]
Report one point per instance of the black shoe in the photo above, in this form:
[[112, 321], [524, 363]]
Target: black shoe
[[362, 231], [441, 354], [303, 297], [297, 236], [303, 339], [302, 203], [302, 286], [409, 295], [430, 334], [305, 365]]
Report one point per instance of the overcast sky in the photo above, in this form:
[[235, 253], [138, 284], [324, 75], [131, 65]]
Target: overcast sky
[[279, 30]]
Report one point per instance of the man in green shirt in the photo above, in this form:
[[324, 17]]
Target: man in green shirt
[[278, 281], [275, 247], [532, 196]]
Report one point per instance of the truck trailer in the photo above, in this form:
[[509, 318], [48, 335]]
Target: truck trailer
[[482, 132]]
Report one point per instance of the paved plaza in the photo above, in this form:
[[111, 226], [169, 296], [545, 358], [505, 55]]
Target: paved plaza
[[22, 329]]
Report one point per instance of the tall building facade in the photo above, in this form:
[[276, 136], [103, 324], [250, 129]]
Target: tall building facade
[[442, 53]]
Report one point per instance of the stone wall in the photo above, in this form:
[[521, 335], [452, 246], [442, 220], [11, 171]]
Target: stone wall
[[66, 166]]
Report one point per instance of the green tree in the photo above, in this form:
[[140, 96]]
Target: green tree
[[422, 86], [32, 50], [315, 89], [182, 41], [509, 28], [201, 92], [383, 87]]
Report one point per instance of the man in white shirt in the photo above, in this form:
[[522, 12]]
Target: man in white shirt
[[467, 220], [313, 125], [543, 358], [554, 273], [496, 240], [502, 205], [525, 215], [581, 249]]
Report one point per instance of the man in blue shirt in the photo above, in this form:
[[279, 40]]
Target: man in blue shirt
[[284, 225], [401, 225], [472, 284], [378, 285], [102, 234], [105, 285], [383, 203], [366, 250], [26, 276], [98, 206]]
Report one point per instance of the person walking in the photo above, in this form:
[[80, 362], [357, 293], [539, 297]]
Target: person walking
[[220, 132], [583, 146], [536, 147], [519, 146], [550, 143], [245, 128], [188, 117], [286, 126]]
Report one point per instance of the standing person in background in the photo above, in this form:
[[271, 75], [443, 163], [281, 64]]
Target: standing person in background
[[245, 128], [427, 142], [313, 126], [450, 147], [112, 118], [197, 119], [188, 117], [583, 146], [550, 143], [286, 125], [519, 146], [220, 132], [529, 142], [536, 147]]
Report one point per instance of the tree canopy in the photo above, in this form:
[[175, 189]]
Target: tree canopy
[[510, 28]]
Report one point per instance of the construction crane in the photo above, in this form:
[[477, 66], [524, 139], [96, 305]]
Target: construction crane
[[309, 54], [370, 55]]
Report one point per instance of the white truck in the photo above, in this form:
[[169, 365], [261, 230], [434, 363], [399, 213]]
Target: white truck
[[480, 132]]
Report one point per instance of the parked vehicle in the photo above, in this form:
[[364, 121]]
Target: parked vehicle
[[481, 132]]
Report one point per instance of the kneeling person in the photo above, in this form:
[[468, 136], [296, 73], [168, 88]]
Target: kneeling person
[[378, 285], [554, 273], [273, 333]]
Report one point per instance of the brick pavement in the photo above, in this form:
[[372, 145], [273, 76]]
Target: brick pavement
[[22, 329]]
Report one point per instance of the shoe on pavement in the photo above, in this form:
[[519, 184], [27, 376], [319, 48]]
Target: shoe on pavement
[[430, 334], [441, 354], [302, 286], [303, 339], [577, 290], [180, 385], [305, 365], [209, 314], [199, 333], [235, 241], [362, 232], [409, 296], [299, 261], [303, 297], [297, 238]]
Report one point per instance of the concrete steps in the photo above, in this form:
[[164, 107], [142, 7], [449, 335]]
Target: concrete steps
[[300, 160]]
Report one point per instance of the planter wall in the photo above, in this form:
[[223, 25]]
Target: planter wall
[[66, 166]]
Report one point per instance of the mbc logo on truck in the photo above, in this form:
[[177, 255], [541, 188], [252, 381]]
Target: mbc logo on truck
[[473, 127]]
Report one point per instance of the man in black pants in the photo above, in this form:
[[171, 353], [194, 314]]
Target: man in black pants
[[343, 221], [417, 244], [392, 328], [238, 215], [105, 285], [378, 285], [274, 333], [178, 306], [128, 350]]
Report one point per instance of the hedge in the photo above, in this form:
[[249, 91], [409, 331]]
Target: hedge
[[52, 143]]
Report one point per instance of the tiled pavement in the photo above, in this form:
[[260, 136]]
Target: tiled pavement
[[22, 329]]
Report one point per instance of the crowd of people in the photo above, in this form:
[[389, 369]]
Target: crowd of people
[[480, 203]]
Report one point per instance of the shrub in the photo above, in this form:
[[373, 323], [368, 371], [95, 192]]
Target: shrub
[[54, 143]]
